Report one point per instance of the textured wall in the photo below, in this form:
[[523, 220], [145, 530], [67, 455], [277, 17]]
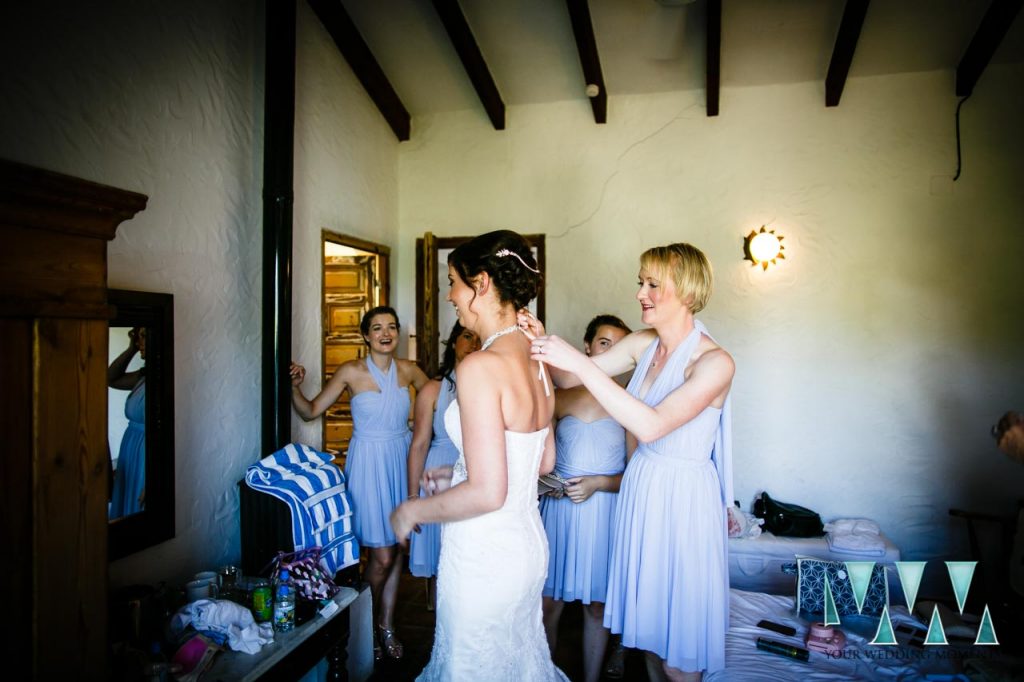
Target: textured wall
[[165, 100], [346, 181], [872, 362]]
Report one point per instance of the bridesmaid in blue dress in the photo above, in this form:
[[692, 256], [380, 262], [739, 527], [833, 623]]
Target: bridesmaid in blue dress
[[590, 452], [431, 448], [668, 587], [375, 465], [128, 493]]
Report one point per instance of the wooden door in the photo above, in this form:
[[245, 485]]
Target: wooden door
[[350, 289]]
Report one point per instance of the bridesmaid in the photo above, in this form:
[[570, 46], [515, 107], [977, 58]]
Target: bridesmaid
[[431, 447], [590, 451], [375, 465], [668, 586]]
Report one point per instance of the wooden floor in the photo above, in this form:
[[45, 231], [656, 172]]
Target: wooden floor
[[414, 626]]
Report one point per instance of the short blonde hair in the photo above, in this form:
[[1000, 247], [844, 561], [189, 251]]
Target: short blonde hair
[[687, 266]]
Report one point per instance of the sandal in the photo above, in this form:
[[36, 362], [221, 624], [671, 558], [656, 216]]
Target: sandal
[[616, 666], [389, 643]]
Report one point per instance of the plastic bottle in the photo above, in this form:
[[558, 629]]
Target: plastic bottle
[[284, 604]]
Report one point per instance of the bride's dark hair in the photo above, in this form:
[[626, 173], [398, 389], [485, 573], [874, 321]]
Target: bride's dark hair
[[506, 257]]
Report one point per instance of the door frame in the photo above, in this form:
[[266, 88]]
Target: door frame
[[383, 276]]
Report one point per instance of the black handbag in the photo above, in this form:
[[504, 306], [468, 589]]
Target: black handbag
[[792, 520]]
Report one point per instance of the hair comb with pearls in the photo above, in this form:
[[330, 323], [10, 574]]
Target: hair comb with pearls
[[502, 253]]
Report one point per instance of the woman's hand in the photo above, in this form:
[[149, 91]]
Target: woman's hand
[[582, 487], [297, 373], [133, 340], [404, 523], [529, 323], [436, 480], [557, 353]]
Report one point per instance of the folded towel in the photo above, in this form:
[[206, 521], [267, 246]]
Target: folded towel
[[861, 544], [853, 526]]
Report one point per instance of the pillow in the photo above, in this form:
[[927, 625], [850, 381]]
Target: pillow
[[810, 587]]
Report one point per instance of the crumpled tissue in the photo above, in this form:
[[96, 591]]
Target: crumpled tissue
[[227, 618]]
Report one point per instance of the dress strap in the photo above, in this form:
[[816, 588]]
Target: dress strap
[[384, 381]]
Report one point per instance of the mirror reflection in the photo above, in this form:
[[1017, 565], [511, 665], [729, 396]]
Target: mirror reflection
[[126, 398]]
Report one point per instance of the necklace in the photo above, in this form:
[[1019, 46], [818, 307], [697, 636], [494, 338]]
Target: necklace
[[501, 332]]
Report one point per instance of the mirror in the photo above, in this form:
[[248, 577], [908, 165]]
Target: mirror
[[140, 420]]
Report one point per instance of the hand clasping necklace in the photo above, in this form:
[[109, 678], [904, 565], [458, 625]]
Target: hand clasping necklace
[[501, 332]]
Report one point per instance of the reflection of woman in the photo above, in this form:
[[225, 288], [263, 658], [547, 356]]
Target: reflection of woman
[[375, 465], [590, 451], [493, 550], [129, 491], [432, 447], [668, 589]]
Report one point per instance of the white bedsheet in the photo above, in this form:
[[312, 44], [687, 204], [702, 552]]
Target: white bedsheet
[[746, 663]]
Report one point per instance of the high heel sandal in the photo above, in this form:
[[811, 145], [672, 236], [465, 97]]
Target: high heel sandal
[[389, 643]]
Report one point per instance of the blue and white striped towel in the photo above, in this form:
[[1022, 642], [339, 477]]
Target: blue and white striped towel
[[314, 489]]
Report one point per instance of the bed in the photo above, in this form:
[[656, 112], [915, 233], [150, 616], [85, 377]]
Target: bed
[[860, 660]]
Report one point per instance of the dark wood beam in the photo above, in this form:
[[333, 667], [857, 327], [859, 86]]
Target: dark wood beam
[[842, 54], [472, 59], [278, 197], [586, 44], [990, 33], [713, 81], [356, 52]]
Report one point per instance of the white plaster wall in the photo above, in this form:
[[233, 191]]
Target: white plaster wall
[[165, 100], [872, 362], [346, 181]]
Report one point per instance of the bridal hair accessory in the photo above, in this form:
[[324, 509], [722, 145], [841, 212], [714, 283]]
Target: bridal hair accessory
[[502, 253]]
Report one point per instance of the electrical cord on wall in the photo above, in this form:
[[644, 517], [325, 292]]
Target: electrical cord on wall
[[958, 136]]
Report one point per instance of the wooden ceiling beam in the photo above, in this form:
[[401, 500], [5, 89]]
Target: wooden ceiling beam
[[713, 61], [466, 47], [983, 45], [842, 53], [357, 53], [586, 44]]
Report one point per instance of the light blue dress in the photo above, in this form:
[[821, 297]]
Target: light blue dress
[[375, 466], [579, 535], [130, 476], [425, 546], [668, 588]]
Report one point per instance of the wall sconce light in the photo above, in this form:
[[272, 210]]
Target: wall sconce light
[[763, 247]]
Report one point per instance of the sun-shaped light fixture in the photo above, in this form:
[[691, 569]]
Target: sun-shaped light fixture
[[763, 247]]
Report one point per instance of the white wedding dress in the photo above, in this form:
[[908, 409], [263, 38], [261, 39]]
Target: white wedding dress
[[490, 575]]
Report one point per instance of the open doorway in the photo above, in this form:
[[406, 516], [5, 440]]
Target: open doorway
[[355, 279]]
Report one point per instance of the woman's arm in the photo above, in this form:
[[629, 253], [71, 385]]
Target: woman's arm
[[311, 409], [547, 460], [581, 488], [710, 379], [483, 438], [418, 379], [116, 375], [422, 432]]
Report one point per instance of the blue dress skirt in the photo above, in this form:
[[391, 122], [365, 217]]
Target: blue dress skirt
[[668, 588], [375, 466], [130, 476], [425, 546], [579, 535]]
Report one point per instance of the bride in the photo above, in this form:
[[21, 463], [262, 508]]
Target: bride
[[494, 552]]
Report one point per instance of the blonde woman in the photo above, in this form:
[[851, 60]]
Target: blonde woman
[[672, 501]]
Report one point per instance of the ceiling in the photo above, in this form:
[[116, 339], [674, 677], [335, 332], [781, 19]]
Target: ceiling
[[648, 46]]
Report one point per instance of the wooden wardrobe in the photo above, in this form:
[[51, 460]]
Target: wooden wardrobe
[[54, 231]]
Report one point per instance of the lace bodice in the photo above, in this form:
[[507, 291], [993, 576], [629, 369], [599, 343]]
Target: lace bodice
[[523, 452]]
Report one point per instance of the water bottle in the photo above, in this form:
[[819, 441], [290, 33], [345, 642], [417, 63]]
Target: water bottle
[[284, 604]]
